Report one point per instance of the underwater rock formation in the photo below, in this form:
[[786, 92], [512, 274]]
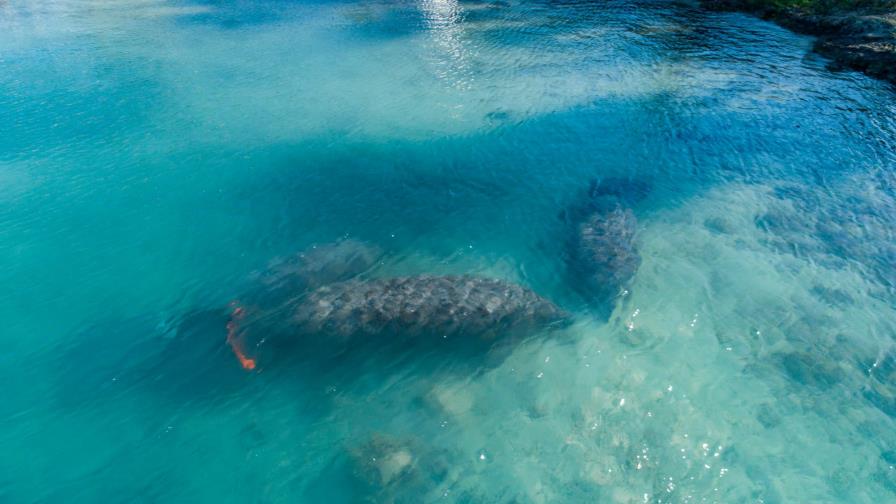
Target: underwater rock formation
[[383, 460], [860, 35], [455, 311], [602, 250], [401, 469], [837, 233]]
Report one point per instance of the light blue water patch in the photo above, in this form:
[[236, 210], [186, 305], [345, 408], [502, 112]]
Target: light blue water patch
[[157, 157]]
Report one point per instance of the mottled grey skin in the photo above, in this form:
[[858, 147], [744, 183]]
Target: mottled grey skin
[[438, 306], [603, 253], [321, 301]]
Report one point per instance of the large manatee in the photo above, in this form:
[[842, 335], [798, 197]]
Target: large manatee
[[440, 305], [602, 249], [404, 311]]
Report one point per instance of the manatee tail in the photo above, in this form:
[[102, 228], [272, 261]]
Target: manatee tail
[[234, 336]]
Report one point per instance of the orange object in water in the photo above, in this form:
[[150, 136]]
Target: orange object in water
[[233, 339]]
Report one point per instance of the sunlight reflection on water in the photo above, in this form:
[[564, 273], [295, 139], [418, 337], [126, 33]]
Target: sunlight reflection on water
[[161, 160]]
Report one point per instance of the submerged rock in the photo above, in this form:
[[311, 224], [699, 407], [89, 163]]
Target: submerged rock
[[400, 469], [856, 35], [450, 398], [603, 254], [855, 227], [383, 460]]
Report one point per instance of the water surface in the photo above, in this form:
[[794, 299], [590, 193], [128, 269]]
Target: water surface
[[154, 154]]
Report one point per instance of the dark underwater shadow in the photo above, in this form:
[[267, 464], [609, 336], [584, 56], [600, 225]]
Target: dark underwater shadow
[[179, 361], [235, 14], [183, 364], [313, 321], [187, 362], [374, 21]]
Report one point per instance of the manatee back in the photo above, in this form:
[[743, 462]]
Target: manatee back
[[602, 249], [443, 306], [605, 250]]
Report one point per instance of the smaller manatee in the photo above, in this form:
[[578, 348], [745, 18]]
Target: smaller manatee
[[318, 265], [602, 254]]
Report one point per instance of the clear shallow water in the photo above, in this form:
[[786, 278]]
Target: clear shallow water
[[153, 155]]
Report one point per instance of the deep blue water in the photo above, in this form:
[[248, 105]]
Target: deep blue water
[[157, 156]]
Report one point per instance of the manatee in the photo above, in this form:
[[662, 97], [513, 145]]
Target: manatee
[[439, 305], [318, 265], [383, 460], [604, 254], [288, 277], [455, 311], [602, 249]]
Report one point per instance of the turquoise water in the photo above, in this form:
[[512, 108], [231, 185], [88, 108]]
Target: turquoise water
[[156, 156]]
